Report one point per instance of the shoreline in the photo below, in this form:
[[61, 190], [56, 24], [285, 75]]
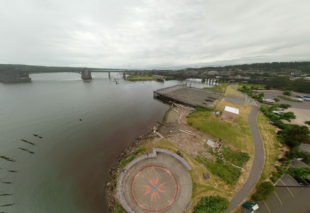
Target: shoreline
[[111, 181]]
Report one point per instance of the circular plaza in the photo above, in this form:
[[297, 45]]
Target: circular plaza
[[159, 182]]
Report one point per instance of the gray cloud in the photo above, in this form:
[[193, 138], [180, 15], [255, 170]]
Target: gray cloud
[[153, 33]]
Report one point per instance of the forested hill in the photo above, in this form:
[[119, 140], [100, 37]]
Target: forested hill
[[304, 66]]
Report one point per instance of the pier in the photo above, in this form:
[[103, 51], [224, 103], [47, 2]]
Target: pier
[[190, 96]]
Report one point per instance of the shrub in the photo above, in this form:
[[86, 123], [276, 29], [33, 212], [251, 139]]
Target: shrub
[[276, 99], [273, 179], [307, 122], [212, 204], [296, 154], [119, 209], [124, 162], [201, 109], [287, 93], [284, 106], [296, 135], [263, 191], [303, 172], [141, 150]]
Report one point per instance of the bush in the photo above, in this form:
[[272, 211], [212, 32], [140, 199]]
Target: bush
[[288, 116], [201, 109], [284, 106], [263, 191], [287, 93], [276, 99], [226, 171], [296, 154], [307, 122], [212, 204], [119, 209], [303, 172], [288, 99], [273, 179], [127, 160], [296, 135], [141, 150]]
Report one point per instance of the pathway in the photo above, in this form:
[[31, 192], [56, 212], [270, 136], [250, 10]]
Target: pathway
[[258, 163]]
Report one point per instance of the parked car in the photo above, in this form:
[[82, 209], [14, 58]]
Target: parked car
[[306, 99], [299, 96], [301, 181], [306, 96], [307, 180], [278, 112]]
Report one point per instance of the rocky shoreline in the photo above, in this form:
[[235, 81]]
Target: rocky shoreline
[[110, 184]]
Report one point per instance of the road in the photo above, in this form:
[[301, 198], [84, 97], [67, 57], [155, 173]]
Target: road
[[258, 161]]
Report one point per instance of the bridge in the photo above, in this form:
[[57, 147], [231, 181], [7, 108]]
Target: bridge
[[23, 75]]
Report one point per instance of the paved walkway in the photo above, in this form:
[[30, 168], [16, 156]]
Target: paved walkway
[[258, 162]]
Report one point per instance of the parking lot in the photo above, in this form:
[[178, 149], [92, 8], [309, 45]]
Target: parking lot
[[289, 198]]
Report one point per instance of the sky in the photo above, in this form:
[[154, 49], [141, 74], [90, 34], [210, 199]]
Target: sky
[[153, 34]]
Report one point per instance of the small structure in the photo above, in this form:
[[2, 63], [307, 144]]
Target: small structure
[[229, 114]]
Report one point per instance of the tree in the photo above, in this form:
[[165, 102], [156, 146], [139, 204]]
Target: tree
[[307, 122], [267, 87], [261, 95], [212, 204], [296, 135], [303, 172], [296, 154], [276, 99], [287, 93], [263, 191], [284, 106], [288, 116]]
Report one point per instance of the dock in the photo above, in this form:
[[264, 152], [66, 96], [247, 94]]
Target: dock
[[190, 96]]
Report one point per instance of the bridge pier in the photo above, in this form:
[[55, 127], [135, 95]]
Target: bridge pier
[[109, 75], [124, 75], [86, 74]]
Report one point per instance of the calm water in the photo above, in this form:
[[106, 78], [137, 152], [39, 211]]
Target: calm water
[[67, 172]]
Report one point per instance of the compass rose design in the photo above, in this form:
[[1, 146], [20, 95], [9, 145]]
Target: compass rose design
[[154, 189]]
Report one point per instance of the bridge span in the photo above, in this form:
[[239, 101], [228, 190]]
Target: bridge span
[[23, 75]]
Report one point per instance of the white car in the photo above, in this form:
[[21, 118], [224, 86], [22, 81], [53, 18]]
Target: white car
[[278, 112], [307, 99]]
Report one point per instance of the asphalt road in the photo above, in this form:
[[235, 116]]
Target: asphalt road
[[257, 165]]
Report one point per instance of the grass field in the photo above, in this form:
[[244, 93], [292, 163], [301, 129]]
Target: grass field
[[218, 88], [259, 87], [141, 78], [237, 134]]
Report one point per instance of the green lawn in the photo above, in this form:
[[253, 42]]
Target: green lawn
[[237, 134], [259, 87], [141, 78], [218, 88]]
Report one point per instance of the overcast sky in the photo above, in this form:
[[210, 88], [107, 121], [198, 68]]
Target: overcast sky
[[153, 33]]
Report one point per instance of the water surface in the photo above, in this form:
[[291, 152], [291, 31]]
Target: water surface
[[67, 172]]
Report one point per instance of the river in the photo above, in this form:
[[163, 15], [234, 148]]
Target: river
[[66, 173]]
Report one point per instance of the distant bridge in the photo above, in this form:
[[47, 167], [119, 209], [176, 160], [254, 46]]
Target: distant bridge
[[23, 75]]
